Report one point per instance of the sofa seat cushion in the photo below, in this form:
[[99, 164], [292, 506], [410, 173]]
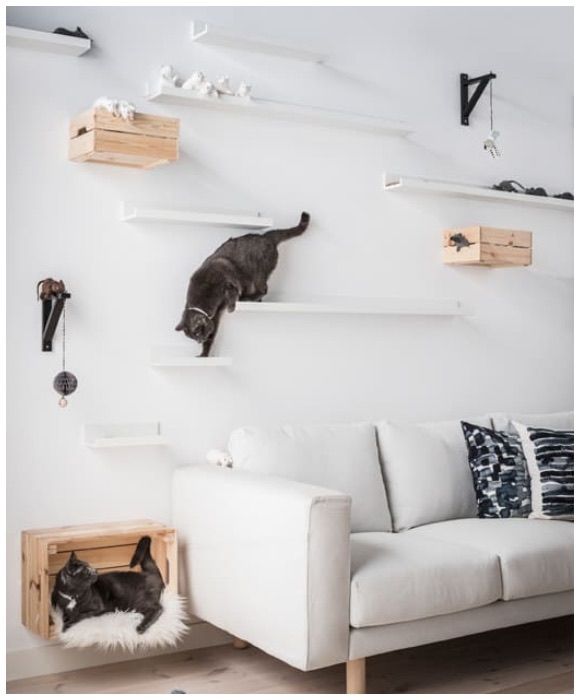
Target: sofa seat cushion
[[342, 457], [536, 556], [403, 577]]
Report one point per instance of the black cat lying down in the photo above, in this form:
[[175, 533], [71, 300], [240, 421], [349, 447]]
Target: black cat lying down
[[238, 270], [81, 592]]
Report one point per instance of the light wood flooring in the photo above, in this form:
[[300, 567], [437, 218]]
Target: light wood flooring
[[534, 658]]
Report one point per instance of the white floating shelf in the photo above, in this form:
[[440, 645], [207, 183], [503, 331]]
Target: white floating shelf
[[46, 41], [100, 436], [392, 306], [284, 111], [133, 213], [218, 36], [178, 356], [455, 189]]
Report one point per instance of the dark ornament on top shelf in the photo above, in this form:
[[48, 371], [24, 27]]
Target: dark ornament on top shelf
[[78, 32], [517, 187], [564, 195]]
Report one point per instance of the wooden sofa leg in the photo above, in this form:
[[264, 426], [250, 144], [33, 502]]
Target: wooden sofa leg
[[355, 676], [240, 643]]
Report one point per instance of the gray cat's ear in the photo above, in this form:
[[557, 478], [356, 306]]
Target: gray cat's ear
[[180, 326], [72, 558]]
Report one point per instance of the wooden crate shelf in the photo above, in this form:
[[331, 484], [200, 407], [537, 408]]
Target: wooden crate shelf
[[97, 136], [488, 247], [106, 546]]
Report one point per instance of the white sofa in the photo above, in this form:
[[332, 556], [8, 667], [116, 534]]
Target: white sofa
[[330, 544]]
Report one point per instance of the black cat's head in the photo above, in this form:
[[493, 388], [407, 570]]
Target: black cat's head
[[196, 325], [77, 575]]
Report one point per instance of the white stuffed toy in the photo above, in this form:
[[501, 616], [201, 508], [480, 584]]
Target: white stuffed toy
[[118, 108], [195, 81], [223, 86], [168, 77], [219, 458], [244, 90]]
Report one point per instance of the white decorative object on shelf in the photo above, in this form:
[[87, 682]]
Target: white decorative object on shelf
[[244, 89], [118, 108], [218, 36], [388, 306], [184, 356], [223, 86], [195, 81], [122, 435], [168, 77], [284, 111], [219, 458], [46, 41], [142, 214], [455, 189]]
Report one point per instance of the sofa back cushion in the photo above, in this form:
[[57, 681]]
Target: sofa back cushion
[[563, 420], [340, 457], [427, 472]]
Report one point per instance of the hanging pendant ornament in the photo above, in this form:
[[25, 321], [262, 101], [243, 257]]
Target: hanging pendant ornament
[[490, 143], [65, 383]]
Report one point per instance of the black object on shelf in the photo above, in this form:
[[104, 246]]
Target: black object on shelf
[[78, 32], [468, 103], [564, 195]]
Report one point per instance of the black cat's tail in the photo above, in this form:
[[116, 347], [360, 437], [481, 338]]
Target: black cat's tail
[[284, 234], [142, 556]]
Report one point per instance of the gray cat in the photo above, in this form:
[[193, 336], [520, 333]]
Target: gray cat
[[238, 270]]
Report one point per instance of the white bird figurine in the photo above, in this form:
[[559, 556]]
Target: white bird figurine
[[195, 81], [243, 90], [168, 77], [223, 86]]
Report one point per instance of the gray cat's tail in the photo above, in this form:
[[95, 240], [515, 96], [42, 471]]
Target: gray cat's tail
[[143, 557], [284, 234]]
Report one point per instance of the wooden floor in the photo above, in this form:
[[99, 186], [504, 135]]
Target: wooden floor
[[535, 658]]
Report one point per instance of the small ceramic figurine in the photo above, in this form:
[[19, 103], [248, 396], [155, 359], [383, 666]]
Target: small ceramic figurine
[[208, 89], [223, 86], [244, 90], [219, 458], [118, 108], [490, 144], [168, 77], [195, 81]]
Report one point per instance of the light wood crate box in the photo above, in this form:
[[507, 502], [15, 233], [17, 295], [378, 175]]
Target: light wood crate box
[[106, 546], [491, 247], [146, 141]]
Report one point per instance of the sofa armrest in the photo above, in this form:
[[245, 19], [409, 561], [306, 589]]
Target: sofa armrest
[[268, 560]]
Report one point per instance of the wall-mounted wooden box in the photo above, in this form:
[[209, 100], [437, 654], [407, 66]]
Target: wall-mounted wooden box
[[106, 546], [146, 141], [483, 245]]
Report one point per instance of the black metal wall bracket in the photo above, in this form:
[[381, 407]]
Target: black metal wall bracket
[[51, 313], [467, 103]]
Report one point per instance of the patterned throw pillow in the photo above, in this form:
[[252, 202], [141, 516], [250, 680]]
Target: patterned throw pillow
[[500, 477], [550, 458]]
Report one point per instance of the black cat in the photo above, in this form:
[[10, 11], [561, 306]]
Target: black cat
[[238, 270], [81, 592]]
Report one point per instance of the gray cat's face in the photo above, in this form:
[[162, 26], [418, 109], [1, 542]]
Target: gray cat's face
[[195, 325], [77, 574]]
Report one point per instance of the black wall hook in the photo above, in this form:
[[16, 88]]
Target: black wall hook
[[53, 296], [467, 103]]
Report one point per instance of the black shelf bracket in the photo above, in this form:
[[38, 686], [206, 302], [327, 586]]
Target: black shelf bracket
[[51, 313], [468, 103]]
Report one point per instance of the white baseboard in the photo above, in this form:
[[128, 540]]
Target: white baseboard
[[53, 658]]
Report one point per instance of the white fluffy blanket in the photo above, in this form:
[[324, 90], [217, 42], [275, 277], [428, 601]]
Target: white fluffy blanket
[[117, 630]]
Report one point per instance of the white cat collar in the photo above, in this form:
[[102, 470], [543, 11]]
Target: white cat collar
[[201, 311]]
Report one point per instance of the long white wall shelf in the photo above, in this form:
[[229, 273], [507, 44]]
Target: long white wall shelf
[[100, 436], [455, 189], [179, 356], [46, 41], [133, 213], [284, 111], [219, 36], [390, 306]]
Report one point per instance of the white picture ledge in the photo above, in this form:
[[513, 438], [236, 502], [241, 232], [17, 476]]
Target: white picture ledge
[[48, 42], [456, 189], [204, 33], [184, 356], [137, 213], [385, 307], [283, 111], [108, 435]]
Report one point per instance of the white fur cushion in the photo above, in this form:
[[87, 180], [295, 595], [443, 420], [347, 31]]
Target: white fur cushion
[[340, 457], [118, 630], [427, 472], [553, 421]]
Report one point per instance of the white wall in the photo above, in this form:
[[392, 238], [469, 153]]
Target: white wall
[[128, 282]]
